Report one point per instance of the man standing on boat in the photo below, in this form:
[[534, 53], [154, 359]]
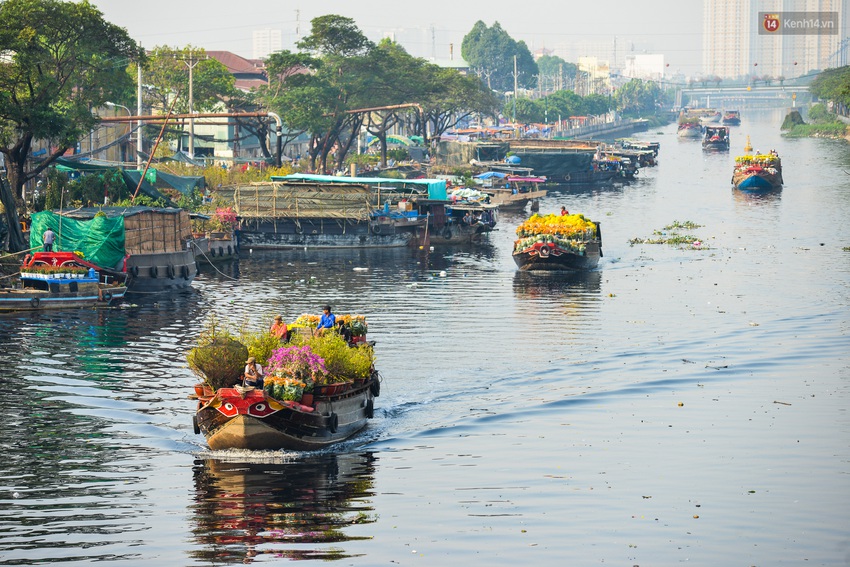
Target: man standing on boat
[[49, 237]]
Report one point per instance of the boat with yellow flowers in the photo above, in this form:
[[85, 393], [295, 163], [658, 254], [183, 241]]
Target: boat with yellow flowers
[[558, 243], [760, 172]]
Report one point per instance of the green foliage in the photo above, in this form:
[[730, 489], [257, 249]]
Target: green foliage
[[168, 74], [638, 97], [219, 358], [819, 113], [87, 190], [60, 60], [833, 84], [826, 130], [554, 66], [335, 35], [260, 344], [491, 51], [342, 361]]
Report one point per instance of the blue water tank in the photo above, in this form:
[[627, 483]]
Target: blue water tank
[[514, 160]]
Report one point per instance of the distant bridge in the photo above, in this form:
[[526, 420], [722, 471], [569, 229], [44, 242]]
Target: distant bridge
[[756, 96]]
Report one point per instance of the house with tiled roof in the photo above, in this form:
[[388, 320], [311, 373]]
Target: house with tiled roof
[[249, 73]]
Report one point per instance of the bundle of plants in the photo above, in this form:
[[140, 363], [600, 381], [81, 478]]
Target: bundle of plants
[[342, 362], [219, 357]]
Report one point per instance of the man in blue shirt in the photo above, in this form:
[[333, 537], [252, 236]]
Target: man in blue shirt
[[327, 320]]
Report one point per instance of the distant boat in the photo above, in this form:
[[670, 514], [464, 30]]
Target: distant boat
[[731, 118], [689, 129], [716, 138]]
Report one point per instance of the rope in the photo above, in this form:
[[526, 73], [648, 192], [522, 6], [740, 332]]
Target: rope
[[195, 244]]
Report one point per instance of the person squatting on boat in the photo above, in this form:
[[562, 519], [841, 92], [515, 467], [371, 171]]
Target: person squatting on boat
[[253, 373]]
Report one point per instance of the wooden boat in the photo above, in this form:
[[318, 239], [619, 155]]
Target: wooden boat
[[731, 118], [558, 243], [716, 138], [709, 116], [248, 418], [761, 172], [517, 193], [689, 130], [57, 281]]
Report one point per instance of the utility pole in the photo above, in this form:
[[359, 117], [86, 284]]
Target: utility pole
[[515, 90], [139, 113], [191, 62]]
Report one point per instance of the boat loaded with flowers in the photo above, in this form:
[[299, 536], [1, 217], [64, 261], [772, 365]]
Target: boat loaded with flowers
[[319, 388], [58, 280], [558, 242], [760, 172]]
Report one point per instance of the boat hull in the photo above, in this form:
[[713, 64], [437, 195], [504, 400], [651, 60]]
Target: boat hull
[[210, 251], [555, 258], [162, 271], [689, 133], [38, 300], [254, 421], [757, 182]]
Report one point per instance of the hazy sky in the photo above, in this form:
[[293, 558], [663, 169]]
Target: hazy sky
[[426, 29]]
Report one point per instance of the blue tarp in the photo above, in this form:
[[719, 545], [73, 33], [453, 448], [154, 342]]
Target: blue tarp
[[436, 187], [490, 175]]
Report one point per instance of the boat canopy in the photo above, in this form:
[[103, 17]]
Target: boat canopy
[[436, 187], [100, 239]]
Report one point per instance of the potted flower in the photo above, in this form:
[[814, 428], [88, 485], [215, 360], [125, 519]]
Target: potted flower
[[294, 370], [223, 222]]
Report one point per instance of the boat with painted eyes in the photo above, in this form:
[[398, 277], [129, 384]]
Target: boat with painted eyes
[[280, 413], [558, 243]]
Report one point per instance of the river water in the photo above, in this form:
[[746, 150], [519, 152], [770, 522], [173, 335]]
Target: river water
[[677, 405]]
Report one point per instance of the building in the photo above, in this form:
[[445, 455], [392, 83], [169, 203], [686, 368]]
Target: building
[[645, 66], [733, 48], [267, 41]]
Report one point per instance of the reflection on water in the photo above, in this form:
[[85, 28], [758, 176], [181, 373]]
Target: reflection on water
[[245, 509], [772, 196]]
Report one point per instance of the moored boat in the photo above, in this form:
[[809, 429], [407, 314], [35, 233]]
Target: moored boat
[[148, 247], [518, 191], [760, 172], [58, 281], [558, 242], [282, 413]]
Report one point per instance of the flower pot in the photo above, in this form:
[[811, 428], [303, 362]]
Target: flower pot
[[307, 399], [199, 389]]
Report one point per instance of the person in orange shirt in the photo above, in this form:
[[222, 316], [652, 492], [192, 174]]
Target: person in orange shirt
[[279, 329]]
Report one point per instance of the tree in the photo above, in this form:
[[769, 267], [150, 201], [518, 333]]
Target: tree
[[59, 60], [833, 85], [554, 72], [638, 97], [340, 84], [491, 52]]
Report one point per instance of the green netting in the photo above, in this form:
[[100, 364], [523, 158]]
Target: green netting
[[101, 239]]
